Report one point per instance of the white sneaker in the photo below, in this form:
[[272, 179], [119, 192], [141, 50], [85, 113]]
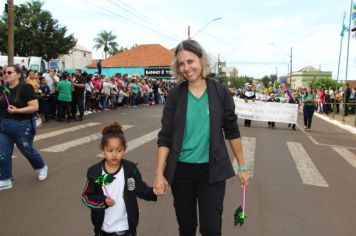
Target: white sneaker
[[86, 113], [90, 112], [5, 184], [42, 173]]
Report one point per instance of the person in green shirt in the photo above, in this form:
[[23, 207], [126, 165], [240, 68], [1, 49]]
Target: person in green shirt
[[192, 155], [65, 89], [308, 101]]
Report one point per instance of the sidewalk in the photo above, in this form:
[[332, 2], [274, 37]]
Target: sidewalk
[[344, 122]]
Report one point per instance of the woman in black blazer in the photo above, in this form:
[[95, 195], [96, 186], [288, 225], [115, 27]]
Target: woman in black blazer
[[192, 156]]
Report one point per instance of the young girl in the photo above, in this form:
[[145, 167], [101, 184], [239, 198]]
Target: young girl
[[114, 208]]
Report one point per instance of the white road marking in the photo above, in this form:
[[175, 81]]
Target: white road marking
[[63, 131], [135, 143], [340, 124], [248, 147], [77, 142], [320, 144], [347, 155], [307, 170]]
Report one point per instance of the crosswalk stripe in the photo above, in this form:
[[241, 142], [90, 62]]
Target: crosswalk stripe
[[347, 155], [135, 143], [248, 147], [63, 131], [308, 172], [77, 142]]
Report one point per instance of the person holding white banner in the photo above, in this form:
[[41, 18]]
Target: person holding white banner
[[293, 99], [272, 124], [249, 95]]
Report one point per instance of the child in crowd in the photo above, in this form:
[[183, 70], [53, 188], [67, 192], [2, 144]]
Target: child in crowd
[[43, 101], [112, 188]]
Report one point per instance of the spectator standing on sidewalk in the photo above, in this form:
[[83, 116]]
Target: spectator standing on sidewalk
[[65, 89], [346, 99], [52, 81], [338, 98], [327, 104], [78, 95], [43, 100]]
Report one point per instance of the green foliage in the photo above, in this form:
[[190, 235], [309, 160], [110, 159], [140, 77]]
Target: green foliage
[[324, 83], [36, 32], [238, 82], [268, 80], [106, 40]]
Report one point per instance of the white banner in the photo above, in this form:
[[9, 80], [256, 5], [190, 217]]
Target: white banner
[[266, 111]]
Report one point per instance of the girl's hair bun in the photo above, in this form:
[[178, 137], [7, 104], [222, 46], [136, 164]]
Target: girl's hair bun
[[114, 128]]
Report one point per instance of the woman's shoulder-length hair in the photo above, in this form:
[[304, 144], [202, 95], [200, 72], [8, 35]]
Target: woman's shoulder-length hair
[[193, 47]]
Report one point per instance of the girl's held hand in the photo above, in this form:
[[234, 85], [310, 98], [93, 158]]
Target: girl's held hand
[[109, 202], [243, 175], [12, 109], [160, 185]]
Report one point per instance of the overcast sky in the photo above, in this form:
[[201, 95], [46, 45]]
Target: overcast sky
[[255, 35]]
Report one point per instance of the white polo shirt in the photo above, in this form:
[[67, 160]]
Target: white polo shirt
[[115, 219], [49, 80]]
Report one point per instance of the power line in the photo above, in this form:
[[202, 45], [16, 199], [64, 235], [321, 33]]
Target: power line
[[130, 21], [138, 15], [238, 46]]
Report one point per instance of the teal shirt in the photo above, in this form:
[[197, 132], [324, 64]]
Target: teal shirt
[[64, 91], [308, 97], [134, 88], [196, 140]]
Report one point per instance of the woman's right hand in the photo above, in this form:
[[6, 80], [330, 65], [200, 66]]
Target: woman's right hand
[[160, 185]]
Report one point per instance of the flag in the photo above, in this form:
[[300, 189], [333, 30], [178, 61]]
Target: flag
[[353, 28], [344, 28]]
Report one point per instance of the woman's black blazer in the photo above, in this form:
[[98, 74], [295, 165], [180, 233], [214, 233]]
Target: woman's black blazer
[[222, 120]]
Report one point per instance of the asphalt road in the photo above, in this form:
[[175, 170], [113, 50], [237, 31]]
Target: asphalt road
[[302, 184]]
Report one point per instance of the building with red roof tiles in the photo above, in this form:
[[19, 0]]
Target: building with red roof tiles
[[151, 60]]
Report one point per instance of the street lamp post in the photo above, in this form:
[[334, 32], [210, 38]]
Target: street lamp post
[[215, 19]]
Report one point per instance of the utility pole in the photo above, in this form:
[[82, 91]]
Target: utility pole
[[291, 66], [10, 39], [188, 31]]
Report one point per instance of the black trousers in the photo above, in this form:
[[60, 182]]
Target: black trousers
[[78, 103], [52, 102], [271, 124], [191, 187], [247, 123], [64, 108], [308, 112], [127, 233]]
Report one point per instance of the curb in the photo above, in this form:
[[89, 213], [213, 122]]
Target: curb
[[339, 124]]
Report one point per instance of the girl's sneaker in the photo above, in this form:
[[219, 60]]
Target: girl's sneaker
[[42, 173], [5, 184]]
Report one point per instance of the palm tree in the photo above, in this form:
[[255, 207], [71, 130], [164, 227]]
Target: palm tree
[[106, 40]]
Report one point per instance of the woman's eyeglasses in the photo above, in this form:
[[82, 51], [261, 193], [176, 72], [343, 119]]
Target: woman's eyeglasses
[[8, 72]]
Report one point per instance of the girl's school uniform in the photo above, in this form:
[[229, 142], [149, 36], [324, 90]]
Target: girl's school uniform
[[123, 216]]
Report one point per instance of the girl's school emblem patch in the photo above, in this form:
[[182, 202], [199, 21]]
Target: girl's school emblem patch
[[131, 184]]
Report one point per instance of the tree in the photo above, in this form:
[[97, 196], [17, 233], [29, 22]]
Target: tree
[[106, 40], [268, 80], [324, 83], [36, 33]]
